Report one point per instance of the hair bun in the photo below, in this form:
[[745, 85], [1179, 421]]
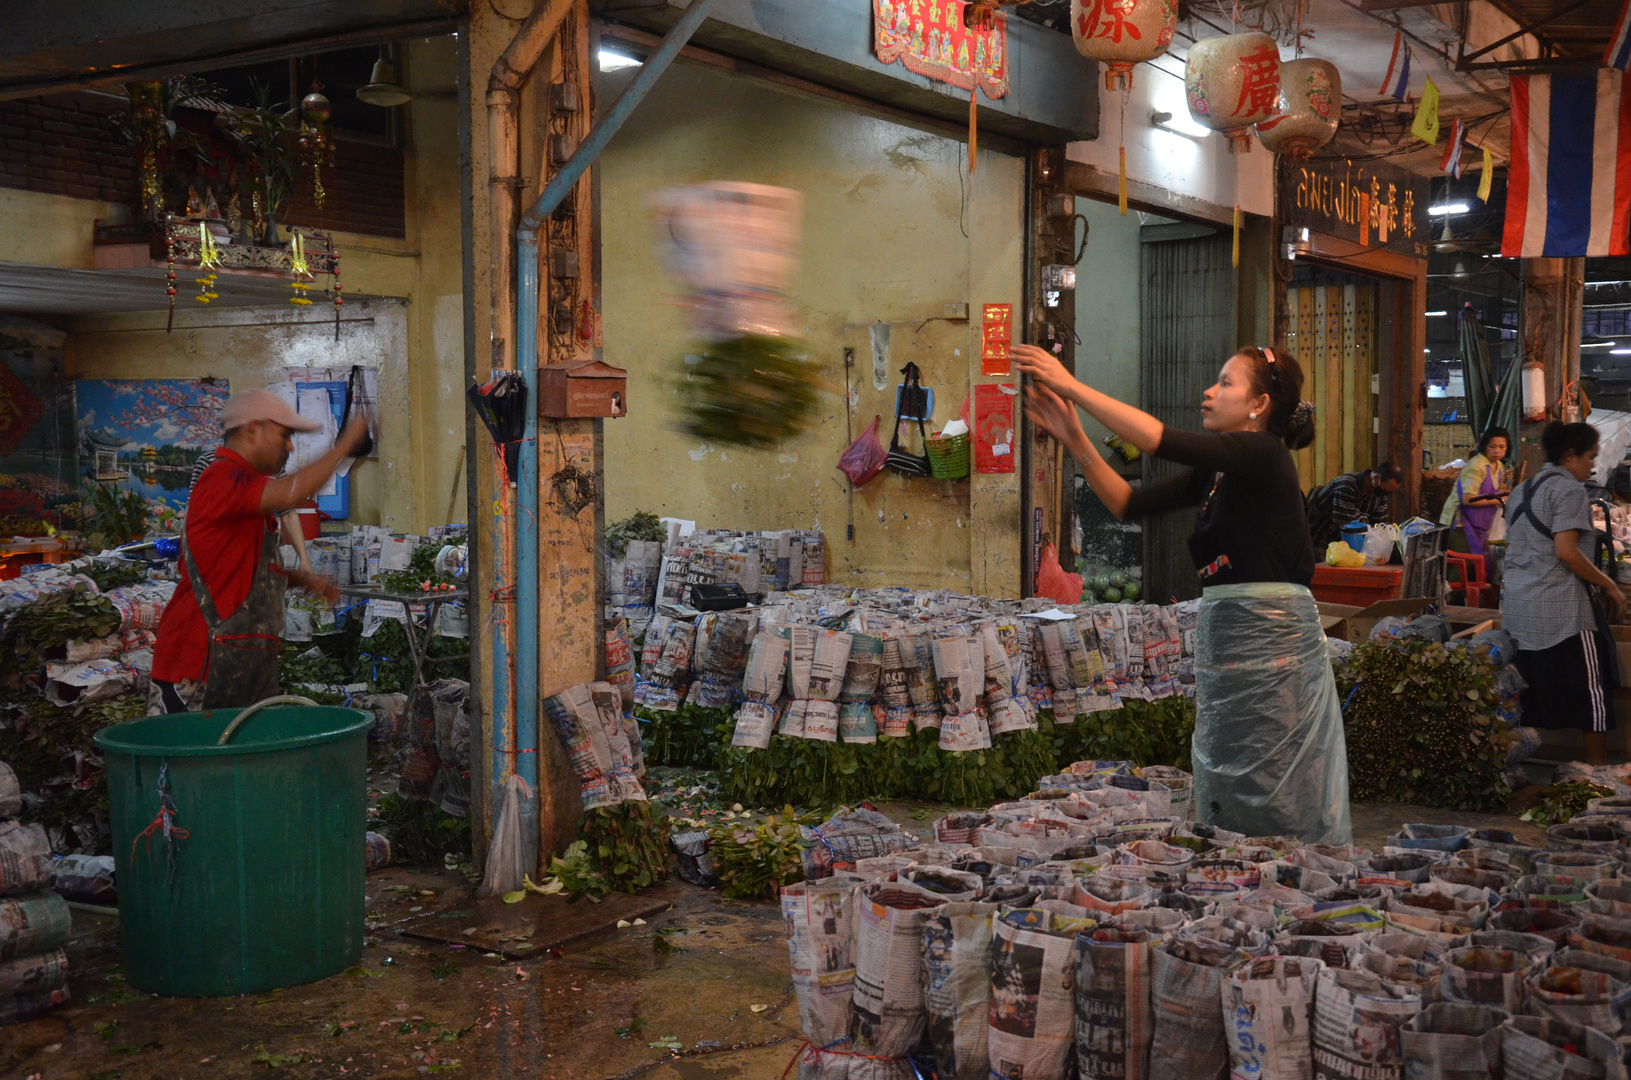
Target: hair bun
[[1302, 414]]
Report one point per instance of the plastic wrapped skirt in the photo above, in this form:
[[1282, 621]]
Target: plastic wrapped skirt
[[1269, 753]]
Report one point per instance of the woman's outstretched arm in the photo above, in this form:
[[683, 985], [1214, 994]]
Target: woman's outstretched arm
[[1058, 418], [1135, 425]]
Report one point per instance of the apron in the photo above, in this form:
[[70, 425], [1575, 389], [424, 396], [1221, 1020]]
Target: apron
[[243, 659], [1476, 520]]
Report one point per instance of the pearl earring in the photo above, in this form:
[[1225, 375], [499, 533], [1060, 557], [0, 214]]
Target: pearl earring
[[1254, 416]]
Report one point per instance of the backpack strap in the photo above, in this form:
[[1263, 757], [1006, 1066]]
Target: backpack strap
[[1525, 510]]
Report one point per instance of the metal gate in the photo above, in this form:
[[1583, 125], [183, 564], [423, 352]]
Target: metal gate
[[1187, 295]]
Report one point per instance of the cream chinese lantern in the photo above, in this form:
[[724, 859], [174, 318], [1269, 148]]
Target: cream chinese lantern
[[1534, 391], [1232, 83], [1309, 108], [1122, 33]]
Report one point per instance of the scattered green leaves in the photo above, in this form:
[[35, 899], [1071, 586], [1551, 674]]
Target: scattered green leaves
[[635, 1025], [1564, 801], [275, 1061]]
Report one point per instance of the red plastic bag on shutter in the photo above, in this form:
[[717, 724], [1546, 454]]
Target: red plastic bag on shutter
[[1053, 582], [864, 458]]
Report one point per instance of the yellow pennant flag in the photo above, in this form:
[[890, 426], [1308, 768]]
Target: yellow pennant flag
[[1488, 178], [1426, 126]]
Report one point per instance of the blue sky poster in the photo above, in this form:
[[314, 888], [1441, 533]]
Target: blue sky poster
[[145, 434]]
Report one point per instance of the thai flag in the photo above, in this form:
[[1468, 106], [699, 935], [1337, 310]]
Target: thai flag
[[1451, 162], [1569, 182], [1619, 46]]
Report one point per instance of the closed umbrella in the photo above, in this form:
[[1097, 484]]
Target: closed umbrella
[[502, 406], [1489, 404]]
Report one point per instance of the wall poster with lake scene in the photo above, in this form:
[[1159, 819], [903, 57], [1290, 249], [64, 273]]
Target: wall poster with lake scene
[[145, 434]]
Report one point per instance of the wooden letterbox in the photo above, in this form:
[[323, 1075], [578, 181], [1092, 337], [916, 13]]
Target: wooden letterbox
[[585, 388]]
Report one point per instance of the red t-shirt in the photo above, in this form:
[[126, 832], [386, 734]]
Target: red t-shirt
[[224, 530]]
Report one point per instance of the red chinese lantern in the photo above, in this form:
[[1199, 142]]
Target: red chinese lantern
[[1231, 83], [1309, 109], [1122, 33]]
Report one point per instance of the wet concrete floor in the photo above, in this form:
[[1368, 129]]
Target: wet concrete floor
[[699, 992]]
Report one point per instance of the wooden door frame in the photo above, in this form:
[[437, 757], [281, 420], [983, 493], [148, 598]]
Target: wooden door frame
[[1401, 363]]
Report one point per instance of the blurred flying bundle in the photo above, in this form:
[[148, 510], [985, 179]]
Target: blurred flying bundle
[[734, 247]]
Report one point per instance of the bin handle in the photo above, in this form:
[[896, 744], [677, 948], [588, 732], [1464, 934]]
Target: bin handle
[[280, 699]]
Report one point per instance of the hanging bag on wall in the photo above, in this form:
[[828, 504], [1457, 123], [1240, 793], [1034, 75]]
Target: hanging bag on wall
[[356, 397], [911, 402]]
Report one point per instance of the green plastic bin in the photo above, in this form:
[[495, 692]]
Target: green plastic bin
[[266, 889]]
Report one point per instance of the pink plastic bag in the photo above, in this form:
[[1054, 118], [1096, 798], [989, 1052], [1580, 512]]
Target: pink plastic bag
[[863, 459], [1053, 582]]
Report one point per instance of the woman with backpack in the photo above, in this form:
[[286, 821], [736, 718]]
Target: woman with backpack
[[1565, 650]]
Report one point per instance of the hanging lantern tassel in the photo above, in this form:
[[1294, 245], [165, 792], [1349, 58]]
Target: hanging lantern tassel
[[1121, 184], [973, 131], [1235, 255], [339, 300]]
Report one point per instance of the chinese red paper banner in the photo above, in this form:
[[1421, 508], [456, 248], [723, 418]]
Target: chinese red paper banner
[[994, 428], [996, 335], [928, 37]]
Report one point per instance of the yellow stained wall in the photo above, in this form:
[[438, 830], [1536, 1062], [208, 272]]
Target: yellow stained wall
[[411, 329], [884, 251]]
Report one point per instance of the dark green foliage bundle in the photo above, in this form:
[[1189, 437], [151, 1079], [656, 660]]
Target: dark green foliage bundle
[[748, 391], [38, 742], [1421, 726], [689, 736], [638, 526], [421, 833], [629, 842], [296, 669], [115, 575], [53, 621], [1564, 801], [753, 859], [421, 568]]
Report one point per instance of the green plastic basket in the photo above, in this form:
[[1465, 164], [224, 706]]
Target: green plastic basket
[[948, 458]]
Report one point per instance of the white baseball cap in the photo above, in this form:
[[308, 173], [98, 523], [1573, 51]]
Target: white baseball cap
[[247, 406]]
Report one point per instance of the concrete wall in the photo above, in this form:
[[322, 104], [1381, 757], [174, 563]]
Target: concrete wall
[[415, 338], [1107, 306], [884, 251]]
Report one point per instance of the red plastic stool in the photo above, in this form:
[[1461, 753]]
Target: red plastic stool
[[1471, 581]]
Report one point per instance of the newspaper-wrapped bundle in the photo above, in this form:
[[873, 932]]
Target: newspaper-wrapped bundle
[[1578, 995], [140, 606], [957, 987], [721, 664], [1189, 971], [25, 859], [620, 660], [1535, 1048], [965, 731], [1583, 866], [864, 668], [755, 722], [11, 793], [34, 922], [77, 652], [1610, 898], [858, 721], [845, 839], [817, 660], [1268, 1006], [1537, 949], [1032, 1006], [663, 685], [1482, 976], [889, 1013], [1452, 1041], [766, 668], [589, 720], [959, 667], [94, 680], [1111, 895], [1114, 1024], [820, 720], [40, 973], [894, 674], [1551, 923], [1356, 1026], [820, 917]]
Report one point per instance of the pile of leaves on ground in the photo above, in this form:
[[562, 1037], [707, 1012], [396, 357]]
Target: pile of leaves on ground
[[1563, 801], [808, 773], [638, 526], [622, 848], [755, 855], [1421, 726]]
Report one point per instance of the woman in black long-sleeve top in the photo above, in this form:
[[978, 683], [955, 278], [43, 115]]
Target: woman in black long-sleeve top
[[1269, 755]]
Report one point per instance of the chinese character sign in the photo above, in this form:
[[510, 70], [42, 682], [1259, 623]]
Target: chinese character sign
[[994, 428], [997, 334], [929, 38], [1367, 202]]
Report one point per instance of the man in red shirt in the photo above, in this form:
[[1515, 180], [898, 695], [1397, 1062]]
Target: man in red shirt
[[219, 637]]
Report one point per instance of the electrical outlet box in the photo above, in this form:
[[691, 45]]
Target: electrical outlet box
[[563, 97], [957, 311], [1058, 205], [560, 149], [563, 263]]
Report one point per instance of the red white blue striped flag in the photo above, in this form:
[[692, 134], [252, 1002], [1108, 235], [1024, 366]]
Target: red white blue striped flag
[[1451, 162], [1569, 181], [1619, 46]]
